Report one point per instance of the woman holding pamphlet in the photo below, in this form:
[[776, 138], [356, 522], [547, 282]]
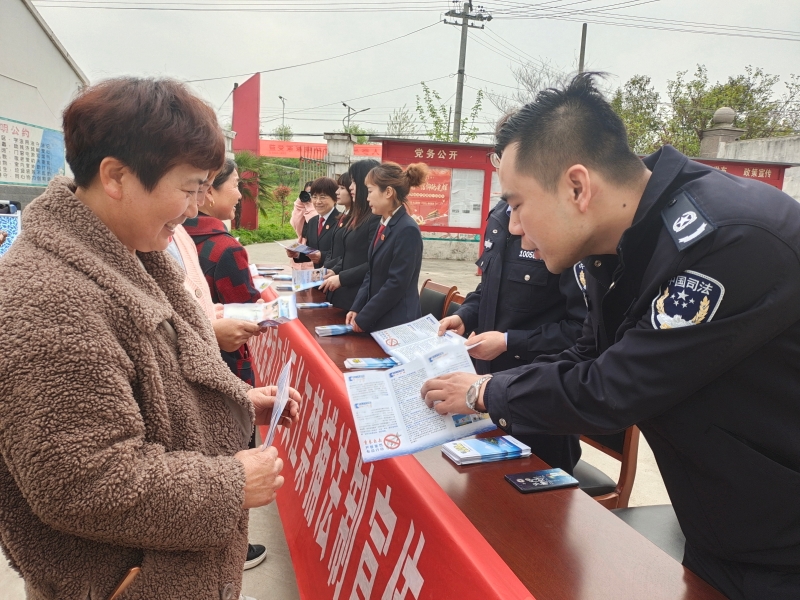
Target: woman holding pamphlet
[[134, 480], [389, 295], [358, 229], [318, 232], [223, 259]]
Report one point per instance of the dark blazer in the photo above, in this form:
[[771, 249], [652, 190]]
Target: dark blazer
[[350, 260], [323, 242], [693, 334], [389, 295]]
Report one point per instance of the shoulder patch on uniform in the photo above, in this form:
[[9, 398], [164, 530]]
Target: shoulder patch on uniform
[[685, 222], [690, 298]]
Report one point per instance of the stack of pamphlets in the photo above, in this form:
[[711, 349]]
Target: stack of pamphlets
[[314, 305], [297, 247], [478, 450], [282, 277], [369, 363], [261, 283], [283, 288], [390, 415], [328, 330], [406, 342], [304, 279], [266, 314]]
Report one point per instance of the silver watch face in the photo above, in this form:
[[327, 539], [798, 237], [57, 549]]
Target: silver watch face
[[472, 396]]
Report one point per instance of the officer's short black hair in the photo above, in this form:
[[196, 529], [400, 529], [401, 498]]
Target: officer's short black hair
[[564, 127]]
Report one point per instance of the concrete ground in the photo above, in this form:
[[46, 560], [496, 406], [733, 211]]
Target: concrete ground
[[275, 578]]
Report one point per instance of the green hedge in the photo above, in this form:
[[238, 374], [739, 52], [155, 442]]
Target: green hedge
[[267, 232]]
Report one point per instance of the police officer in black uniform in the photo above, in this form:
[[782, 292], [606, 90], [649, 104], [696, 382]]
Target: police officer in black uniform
[[519, 311], [693, 330]]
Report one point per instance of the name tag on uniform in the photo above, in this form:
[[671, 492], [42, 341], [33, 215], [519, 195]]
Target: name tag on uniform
[[527, 255], [488, 244]]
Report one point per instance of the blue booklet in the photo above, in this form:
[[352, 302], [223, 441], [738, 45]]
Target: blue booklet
[[478, 450], [369, 363], [328, 330], [314, 305], [539, 481]]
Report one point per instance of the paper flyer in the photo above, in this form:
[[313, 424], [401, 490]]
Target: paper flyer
[[266, 314], [391, 417], [297, 247], [412, 340], [281, 399], [304, 279]]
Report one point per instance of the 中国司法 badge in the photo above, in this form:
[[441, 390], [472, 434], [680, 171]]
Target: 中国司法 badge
[[690, 298]]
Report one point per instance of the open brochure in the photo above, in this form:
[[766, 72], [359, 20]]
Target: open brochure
[[297, 247], [266, 314], [391, 417], [412, 340], [304, 279]]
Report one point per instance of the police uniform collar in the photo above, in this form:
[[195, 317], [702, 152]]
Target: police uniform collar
[[665, 165]]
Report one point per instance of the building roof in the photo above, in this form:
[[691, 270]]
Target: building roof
[[46, 28]]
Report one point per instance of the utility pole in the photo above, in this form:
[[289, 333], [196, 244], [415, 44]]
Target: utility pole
[[466, 16], [347, 118], [583, 49], [283, 111]]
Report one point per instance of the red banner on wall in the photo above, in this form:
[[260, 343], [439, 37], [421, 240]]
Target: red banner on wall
[[383, 530], [429, 204]]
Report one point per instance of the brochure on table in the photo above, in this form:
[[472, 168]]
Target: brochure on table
[[410, 341], [391, 417], [304, 279]]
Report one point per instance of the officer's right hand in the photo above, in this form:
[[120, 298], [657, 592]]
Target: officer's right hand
[[262, 477], [453, 323]]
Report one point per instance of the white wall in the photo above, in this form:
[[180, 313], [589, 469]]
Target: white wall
[[36, 80], [778, 149]]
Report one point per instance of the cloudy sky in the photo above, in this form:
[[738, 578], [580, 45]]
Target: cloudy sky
[[625, 38]]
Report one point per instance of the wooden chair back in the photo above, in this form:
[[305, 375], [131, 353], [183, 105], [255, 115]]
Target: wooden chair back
[[623, 446], [434, 298], [456, 300]]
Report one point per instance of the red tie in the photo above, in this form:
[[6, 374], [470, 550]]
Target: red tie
[[319, 226], [380, 233]]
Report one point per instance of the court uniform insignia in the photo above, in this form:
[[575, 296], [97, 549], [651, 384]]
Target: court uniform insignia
[[690, 298], [685, 222]]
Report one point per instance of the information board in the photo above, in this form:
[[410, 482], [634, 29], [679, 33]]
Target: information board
[[29, 155]]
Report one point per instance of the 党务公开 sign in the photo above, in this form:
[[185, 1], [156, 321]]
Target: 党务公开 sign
[[29, 155]]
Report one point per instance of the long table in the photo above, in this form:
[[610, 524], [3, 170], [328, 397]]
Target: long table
[[420, 526]]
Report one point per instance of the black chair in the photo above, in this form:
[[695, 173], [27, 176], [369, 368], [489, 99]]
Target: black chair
[[623, 446], [658, 524], [434, 297], [454, 304]]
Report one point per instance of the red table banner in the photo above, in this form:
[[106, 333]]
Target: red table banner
[[383, 530]]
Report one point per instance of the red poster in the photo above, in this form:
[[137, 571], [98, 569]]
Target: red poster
[[430, 204]]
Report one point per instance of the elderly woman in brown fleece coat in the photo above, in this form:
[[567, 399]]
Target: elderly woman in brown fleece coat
[[123, 435]]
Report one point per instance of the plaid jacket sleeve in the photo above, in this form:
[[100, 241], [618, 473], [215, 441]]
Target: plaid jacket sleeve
[[229, 274]]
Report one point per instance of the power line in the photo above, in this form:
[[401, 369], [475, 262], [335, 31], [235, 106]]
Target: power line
[[313, 62]]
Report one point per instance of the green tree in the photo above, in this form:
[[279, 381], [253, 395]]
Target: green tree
[[637, 103], [691, 103], [362, 133], [256, 170], [283, 132], [435, 117]]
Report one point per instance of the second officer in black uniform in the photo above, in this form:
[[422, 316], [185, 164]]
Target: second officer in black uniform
[[520, 311]]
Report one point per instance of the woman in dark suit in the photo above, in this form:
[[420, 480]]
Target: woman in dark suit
[[318, 232], [389, 295], [350, 257]]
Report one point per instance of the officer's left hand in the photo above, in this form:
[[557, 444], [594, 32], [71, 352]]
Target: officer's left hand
[[330, 284], [449, 393], [493, 344], [315, 256]]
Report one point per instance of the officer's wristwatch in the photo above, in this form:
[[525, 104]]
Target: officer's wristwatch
[[474, 390]]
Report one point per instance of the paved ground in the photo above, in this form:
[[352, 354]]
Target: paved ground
[[275, 578]]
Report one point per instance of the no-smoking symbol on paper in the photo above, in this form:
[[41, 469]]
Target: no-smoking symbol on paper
[[391, 441], [392, 342]]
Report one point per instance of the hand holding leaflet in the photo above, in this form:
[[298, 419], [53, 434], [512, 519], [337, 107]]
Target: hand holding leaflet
[[305, 279], [297, 247], [281, 399], [412, 340]]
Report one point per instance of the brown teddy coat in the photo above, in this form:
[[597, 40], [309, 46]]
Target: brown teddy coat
[[117, 431]]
